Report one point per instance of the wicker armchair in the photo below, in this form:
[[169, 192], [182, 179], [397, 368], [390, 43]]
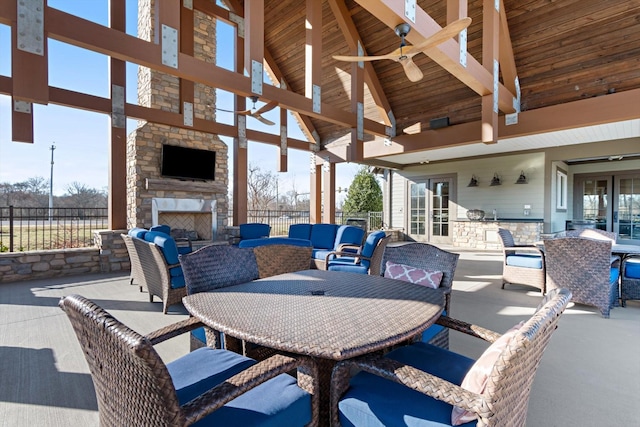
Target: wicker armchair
[[630, 278], [421, 382], [134, 386], [592, 233], [585, 267], [522, 264], [150, 270], [428, 257]]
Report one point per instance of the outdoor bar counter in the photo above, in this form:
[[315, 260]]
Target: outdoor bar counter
[[483, 234]]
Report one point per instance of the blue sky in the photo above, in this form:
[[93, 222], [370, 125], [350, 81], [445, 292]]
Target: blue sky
[[82, 138]]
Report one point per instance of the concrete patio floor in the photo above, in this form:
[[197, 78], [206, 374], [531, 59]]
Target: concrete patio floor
[[589, 375]]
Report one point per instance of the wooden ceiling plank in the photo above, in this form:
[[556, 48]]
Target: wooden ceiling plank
[[80, 32], [351, 35], [474, 75]]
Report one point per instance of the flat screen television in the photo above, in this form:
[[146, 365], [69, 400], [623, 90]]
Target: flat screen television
[[188, 163]]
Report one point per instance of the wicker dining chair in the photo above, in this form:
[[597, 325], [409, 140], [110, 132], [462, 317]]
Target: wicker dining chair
[[422, 383], [522, 264], [427, 257], [134, 387], [593, 233], [585, 267]]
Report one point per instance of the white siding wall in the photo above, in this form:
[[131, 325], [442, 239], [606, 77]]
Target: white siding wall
[[509, 198], [398, 186]]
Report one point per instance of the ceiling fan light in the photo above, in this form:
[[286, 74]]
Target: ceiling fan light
[[495, 180]]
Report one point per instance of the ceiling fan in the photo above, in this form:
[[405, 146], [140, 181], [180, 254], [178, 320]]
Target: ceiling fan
[[256, 114], [404, 54]]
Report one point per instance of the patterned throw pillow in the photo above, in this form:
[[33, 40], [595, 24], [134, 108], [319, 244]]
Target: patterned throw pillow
[[477, 377], [428, 278]]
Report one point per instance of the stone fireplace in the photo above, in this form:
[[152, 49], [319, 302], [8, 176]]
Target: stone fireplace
[[197, 207]]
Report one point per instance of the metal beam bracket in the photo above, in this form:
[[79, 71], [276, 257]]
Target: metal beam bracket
[[410, 10], [242, 131], [118, 118], [31, 26], [239, 21], [283, 140], [187, 4], [256, 77], [187, 113], [316, 99], [496, 84], [169, 46], [360, 121], [21, 106], [462, 39]]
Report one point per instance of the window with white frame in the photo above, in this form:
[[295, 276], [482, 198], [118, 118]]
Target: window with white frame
[[561, 190]]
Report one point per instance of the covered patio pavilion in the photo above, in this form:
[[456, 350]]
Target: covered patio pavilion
[[587, 377]]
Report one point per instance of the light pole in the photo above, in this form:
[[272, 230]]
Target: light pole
[[53, 147]]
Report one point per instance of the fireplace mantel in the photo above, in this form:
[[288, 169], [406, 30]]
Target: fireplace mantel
[[180, 185]]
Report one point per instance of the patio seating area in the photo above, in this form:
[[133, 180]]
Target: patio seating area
[[588, 374]]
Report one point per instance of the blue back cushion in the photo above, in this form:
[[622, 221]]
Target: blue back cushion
[[348, 234], [162, 228], [632, 268], [166, 243], [252, 243], [254, 230], [300, 231], [371, 243], [138, 232], [323, 236]]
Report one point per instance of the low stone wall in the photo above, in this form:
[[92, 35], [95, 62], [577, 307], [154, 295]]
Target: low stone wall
[[109, 254], [484, 234]]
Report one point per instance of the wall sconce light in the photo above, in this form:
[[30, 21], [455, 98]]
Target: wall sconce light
[[495, 180], [473, 182], [521, 179]]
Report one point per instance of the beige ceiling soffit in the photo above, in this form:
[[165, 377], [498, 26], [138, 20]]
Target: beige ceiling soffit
[[271, 68], [351, 35], [447, 54], [615, 107]]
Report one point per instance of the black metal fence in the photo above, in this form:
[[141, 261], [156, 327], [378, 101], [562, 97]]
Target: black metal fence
[[281, 220], [30, 229]]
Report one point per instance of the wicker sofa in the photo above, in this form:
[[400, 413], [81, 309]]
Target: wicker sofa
[[326, 238]]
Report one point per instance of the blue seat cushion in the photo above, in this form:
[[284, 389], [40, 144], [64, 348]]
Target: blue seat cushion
[[632, 268], [525, 260], [252, 243], [320, 253], [362, 269], [300, 231], [323, 236], [277, 402], [199, 334], [432, 330], [374, 401]]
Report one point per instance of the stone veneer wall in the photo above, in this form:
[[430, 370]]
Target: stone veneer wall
[[474, 234], [144, 146], [109, 255]]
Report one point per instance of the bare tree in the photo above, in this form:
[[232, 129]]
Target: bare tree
[[81, 196], [261, 188]]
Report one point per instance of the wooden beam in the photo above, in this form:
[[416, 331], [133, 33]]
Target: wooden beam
[[507, 60], [490, 51], [254, 43], [619, 106], [283, 151], [117, 198], [352, 37], [187, 47], [315, 192], [21, 123], [313, 48], [329, 193], [86, 34], [356, 147], [447, 54]]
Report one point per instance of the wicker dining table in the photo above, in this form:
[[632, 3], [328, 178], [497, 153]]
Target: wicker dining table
[[329, 315]]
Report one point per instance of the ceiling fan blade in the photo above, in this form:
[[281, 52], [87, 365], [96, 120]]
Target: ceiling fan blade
[[441, 36], [393, 55], [262, 119], [267, 107], [411, 69], [243, 113]]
